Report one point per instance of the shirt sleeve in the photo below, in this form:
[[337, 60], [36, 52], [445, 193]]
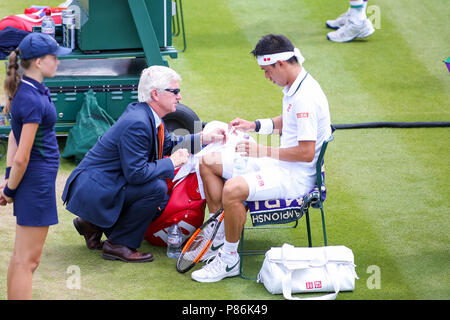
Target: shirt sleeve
[[191, 142], [30, 110], [306, 117]]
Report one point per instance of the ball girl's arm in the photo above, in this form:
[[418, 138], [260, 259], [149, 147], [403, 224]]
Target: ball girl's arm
[[19, 156]]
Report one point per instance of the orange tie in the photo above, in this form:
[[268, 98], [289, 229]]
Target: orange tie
[[160, 140]]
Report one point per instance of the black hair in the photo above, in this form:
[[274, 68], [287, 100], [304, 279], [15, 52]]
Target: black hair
[[273, 43]]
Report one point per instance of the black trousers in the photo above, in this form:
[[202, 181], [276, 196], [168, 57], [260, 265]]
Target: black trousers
[[142, 204]]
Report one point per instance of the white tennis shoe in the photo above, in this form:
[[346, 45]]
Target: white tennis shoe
[[213, 249], [217, 269], [339, 21], [351, 31]]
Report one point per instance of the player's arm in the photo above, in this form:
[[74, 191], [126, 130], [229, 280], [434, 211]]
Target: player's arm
[[277, 124], [274, 125], [303, 152]]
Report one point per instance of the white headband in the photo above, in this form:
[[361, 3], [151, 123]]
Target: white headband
[[269, 59]]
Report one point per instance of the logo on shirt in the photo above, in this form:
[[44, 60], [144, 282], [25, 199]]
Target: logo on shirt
[[302, 115], [289, 107]]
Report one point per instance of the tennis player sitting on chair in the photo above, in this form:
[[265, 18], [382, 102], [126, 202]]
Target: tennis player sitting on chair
[[272, 172]]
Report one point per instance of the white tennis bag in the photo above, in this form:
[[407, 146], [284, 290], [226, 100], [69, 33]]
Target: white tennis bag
[[290, 270]]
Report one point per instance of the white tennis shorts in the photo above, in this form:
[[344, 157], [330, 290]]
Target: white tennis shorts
[[268, 178]]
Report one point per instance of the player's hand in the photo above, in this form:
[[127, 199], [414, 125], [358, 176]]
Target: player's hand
[[251, 149], [241, 124]]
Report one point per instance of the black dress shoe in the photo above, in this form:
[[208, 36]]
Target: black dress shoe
[[92, 233], [123, 253]]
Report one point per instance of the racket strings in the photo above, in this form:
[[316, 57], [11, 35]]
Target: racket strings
[[199, 243], [194, 249]]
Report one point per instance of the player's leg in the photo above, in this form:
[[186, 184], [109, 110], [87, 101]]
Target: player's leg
[[226, 261]]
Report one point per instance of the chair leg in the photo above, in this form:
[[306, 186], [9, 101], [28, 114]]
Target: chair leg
[[308, 228], [323, 226], [242, 253]]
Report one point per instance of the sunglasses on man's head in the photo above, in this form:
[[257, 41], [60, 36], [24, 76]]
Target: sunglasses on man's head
[[174, 91]]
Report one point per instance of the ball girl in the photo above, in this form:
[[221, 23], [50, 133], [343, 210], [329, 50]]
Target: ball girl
[[33, 156]]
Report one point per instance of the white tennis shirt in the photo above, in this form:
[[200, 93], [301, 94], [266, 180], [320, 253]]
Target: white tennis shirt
[[306, 117]]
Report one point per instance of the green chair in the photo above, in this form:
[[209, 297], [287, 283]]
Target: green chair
[[282, 213]]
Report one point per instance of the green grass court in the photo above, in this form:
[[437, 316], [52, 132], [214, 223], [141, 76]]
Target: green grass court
[[388, 189]]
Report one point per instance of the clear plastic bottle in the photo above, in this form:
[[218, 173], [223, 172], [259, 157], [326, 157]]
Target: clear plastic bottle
[[240, 162], [48, 24], [174, 241], [68, 28]]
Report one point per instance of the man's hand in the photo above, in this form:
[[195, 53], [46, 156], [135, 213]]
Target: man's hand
[[217, 135], [180, 157]]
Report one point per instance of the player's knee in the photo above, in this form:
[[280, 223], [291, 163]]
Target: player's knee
[[211, 163], [235, 189], [208, 160]]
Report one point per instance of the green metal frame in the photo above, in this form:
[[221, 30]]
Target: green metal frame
[[146, 32], [151, 51], [318, 205], [177, 27]]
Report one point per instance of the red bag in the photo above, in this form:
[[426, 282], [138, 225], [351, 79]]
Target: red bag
[[31, 18], [185, 207]]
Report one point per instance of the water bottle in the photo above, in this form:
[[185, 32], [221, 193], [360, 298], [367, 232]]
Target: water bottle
[[240, 162], [68, 28], [174, 241], [48, 24]]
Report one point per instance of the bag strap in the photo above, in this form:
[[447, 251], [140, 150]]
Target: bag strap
[[286, 283]]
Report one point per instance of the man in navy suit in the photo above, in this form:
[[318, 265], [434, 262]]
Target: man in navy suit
[[120, 185]]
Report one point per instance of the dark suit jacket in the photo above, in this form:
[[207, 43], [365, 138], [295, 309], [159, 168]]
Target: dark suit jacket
[[125, 154]]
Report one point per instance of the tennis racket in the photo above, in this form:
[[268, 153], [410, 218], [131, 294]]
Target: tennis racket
[[199, 243]]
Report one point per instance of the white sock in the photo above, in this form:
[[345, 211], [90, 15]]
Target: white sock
[[365, 5], [229, 250], [358, 10]]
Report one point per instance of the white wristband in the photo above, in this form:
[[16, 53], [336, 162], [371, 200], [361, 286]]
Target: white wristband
[[266, 126]]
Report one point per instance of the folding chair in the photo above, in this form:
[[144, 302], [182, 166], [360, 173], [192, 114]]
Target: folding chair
[[265, 214]]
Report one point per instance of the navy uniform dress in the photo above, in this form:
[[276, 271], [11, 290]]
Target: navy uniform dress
[[35, 200]]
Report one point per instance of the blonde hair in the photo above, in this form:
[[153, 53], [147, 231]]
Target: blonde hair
[[155, 77]]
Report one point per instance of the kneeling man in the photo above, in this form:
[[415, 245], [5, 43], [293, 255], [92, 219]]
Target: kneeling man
[[120, 185]]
